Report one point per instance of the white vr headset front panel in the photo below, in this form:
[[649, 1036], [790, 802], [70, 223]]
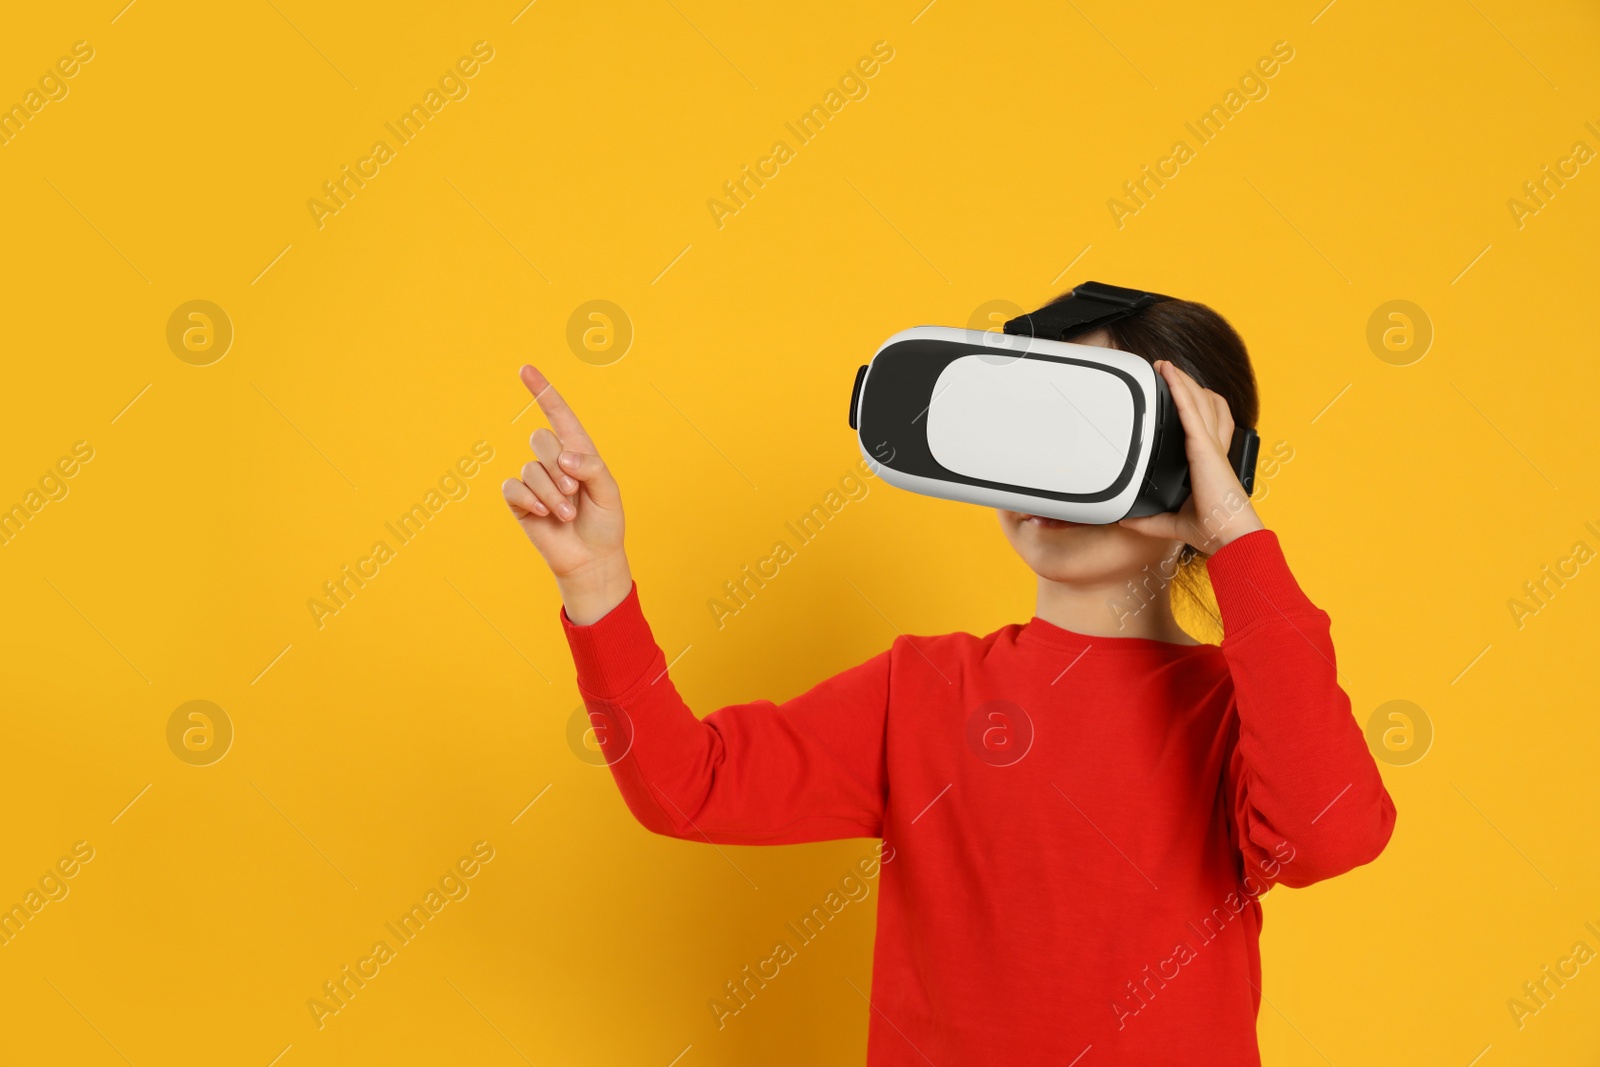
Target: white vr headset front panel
[[1021, 419], [1056, 426]]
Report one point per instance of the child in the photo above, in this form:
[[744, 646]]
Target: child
[[1082, 811]]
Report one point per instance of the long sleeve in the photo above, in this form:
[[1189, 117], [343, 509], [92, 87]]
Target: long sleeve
[[1307, 800], [810, 769]]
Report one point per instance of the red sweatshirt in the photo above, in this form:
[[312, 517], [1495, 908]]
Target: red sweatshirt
[[1080, 827]]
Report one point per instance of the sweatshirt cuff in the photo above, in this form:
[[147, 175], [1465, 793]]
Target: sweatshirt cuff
[[1252, 582], [614, 653]]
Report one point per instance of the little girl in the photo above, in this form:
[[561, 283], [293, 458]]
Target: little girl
[[1082, 810]]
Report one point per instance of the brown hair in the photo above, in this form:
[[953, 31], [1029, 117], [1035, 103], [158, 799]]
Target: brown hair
[[1203, 345]]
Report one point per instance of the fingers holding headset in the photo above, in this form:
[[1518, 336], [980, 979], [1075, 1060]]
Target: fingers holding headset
[[1194, 410], [1218, 509], [1197, 402], [1223, 422]]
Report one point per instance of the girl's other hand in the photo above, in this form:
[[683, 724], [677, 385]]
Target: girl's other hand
[[1218, 509], [569, 506]]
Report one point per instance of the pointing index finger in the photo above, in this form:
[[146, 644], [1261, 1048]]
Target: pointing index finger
[[562, 418]]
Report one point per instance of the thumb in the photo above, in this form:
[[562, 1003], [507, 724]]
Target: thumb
[[590, 470]]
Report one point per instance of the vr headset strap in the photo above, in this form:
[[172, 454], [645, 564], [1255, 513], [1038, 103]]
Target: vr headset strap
[[1088, 307], [1096, 304]]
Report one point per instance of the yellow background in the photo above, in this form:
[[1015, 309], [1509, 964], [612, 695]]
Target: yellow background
[[431, 710]]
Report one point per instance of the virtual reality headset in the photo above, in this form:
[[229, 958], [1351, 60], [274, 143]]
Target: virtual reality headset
[[1027, 421]]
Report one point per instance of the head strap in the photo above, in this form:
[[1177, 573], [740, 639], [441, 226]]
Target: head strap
[[1088, 307]]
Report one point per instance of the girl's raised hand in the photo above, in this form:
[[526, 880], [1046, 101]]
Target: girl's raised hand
[[1218, 509], [569, 506]]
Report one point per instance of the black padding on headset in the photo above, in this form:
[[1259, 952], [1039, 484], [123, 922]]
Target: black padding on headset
[[1089, 306], [1242, 452]]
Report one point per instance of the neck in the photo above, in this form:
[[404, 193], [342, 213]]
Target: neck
[[1109, 610]]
